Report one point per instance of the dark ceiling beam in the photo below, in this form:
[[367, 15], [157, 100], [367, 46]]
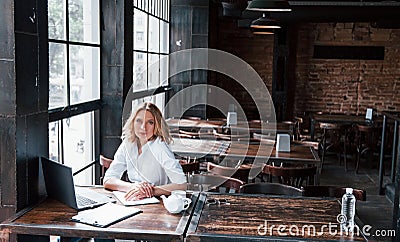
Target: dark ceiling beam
[[303, 13]]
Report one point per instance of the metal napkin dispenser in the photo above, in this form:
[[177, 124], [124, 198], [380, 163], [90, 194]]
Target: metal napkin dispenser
[[283, 143]]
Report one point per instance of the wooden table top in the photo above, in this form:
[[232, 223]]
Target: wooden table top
[[53, 218], [249, 217], [261, 151], [251, 127], [198, 147], [339, 118], [264, 151]]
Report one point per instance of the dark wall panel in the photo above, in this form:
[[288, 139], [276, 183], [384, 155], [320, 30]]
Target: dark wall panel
[[7, 87], [26, 16], [26, 51], [189, 29], [200, 21], [7, 161], [6, 30]]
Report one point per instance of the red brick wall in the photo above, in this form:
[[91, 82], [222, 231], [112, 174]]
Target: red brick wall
[[256, 50], [327, 85], [347, 86]]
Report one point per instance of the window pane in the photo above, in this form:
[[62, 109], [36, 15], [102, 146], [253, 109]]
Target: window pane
[[140, 72], [154, 34], [84, 73], [84, 21], [54, 134], [159, 100], [164, 70], [154, 70], [57, 76], [56, 10], [78, 145], [164, 37], [140, 30]]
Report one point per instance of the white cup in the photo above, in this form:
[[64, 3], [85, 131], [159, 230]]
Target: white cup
[[175, 204]]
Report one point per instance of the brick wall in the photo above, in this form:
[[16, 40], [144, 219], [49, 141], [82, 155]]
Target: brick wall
[[347, 86], [327, 85], [256, 50]]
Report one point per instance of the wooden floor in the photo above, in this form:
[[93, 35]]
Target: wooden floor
[[377, 210]]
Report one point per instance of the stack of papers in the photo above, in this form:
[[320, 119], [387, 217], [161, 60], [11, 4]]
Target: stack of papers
[[105, 215], [121, 197]]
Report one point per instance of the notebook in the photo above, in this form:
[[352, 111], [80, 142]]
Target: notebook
[[105, 215], [121, 197], [60, 185]]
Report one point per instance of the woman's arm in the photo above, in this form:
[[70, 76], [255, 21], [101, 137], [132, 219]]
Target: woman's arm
[[118, 184]]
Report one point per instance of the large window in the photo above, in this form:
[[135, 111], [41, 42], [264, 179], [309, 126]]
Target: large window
[[150, 45], [74, 81]]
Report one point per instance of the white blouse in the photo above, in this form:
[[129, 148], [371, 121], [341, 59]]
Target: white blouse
[[156, 164]]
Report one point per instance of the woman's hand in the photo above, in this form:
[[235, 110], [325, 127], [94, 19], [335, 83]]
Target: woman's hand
[[140, 191]]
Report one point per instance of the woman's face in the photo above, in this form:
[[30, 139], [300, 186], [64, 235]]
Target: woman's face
[[144, 126]]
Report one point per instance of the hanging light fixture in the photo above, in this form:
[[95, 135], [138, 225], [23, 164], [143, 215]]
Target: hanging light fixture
[[262, 31], [269, 6], [265, 22]]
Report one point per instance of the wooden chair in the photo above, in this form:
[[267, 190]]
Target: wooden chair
[[334, 138], [105, 164], [367, 140], [241, 172], [292, 176], [270, 189], [332, 191], [214, 183], [189, 167]]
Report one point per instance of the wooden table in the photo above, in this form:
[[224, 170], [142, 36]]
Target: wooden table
[[257, 218], [235, 149], [338, 119], [51, 217], [258, 154], [198, 147], [251, 127]]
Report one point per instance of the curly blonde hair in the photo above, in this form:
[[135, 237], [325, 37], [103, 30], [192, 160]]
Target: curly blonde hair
[[160, 128]]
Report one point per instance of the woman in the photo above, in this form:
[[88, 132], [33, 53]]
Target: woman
[[144, 153]]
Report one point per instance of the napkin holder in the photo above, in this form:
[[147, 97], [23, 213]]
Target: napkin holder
[[231, 119], [283, 143]]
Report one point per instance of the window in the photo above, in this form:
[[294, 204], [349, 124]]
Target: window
[[150, 46], [74, 82], [139, 36]]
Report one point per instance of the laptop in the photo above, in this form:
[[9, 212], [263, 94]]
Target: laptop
[[60, 186]]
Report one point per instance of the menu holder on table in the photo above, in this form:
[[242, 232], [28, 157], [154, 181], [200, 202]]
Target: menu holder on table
[[105, 215], [121, 197]]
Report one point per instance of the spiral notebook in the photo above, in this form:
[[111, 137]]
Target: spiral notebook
[[105, 215]]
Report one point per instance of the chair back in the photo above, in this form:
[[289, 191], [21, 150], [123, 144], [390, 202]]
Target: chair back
[[270, 189], [241, 172], [189, 167], [368, 136], [216, 183], [332, 191], [292, 176], [105, 164]]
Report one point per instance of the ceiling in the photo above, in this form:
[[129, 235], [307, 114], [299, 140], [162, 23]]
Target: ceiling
[[381, 13]]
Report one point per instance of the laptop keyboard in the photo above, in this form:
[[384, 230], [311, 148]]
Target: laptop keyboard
[[84, 201]]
